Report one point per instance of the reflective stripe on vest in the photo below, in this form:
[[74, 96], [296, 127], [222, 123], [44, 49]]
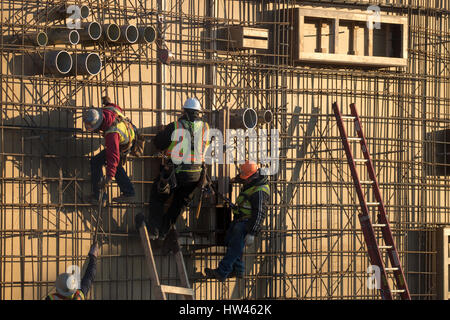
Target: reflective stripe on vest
[[124, 128], [244, 206], [78, 295], [200, 147]]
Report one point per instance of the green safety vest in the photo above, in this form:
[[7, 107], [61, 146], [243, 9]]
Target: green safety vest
[[124, 128], [244, 207], [195, 128], [78, 295]]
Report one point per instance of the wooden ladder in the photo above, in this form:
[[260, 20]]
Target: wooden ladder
[[162, 290]]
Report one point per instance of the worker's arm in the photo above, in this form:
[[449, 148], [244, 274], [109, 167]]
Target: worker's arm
[[112, 153], [164, 138], [259, 202], [91, 270]]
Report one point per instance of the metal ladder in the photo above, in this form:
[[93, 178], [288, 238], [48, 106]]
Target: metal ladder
[[373, 248], [161, 289]]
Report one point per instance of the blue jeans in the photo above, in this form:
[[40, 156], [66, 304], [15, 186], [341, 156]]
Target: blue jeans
[[235, 241], [97, 163]]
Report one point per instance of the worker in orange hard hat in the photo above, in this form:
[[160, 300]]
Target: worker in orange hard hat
[[249, 213]]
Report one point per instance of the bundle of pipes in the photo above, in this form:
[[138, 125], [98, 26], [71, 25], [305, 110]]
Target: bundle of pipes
[[38, 39], [61, 12], [86, 64], [63, 35]]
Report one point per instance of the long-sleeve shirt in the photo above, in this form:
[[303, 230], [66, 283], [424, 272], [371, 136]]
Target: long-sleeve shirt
[[111, 141]]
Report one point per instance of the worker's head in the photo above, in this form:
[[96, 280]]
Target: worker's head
[[192, 108], [93, 119], [248, 171], [106, 100], [66, 284]]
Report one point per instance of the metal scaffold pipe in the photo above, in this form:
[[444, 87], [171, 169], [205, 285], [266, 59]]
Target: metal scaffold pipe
[[111, 32], [62, 35], [38, 39], [58, 62], [265, 116], [90, 31], [63, 11], [147, 34], [243, 118], [128, 34], [88, 64]]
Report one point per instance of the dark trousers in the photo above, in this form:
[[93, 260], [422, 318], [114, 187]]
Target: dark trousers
[[182, 196], [97, 163], [235, 242]]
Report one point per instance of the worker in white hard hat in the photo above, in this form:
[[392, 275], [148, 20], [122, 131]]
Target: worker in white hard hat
[[120, 135], [184, 142], [68, 286]]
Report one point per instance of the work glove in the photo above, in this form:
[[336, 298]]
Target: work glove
[[94, 250], [104, 182], [249, 240]]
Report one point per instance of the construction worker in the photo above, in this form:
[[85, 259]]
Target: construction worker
[[67, 286], [182, 172], [119, 135], [248, 215]]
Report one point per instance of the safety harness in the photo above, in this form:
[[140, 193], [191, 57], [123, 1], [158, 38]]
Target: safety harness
[[126, 130], [243, 204]]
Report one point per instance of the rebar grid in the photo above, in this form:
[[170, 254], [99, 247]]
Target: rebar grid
[[311, 246]]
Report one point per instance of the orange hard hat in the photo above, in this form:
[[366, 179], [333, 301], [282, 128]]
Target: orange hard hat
[[247, 169]]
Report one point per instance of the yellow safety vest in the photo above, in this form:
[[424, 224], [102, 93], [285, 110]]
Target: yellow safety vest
[[124, 128], [197, 127], [78, 295], [244, 206]]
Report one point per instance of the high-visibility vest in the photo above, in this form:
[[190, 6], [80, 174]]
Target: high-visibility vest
[[198, 129], [78, 295], [124, 128], [244, 206]]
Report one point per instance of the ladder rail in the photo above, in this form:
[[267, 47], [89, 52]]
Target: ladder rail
[[186, 291], [382, 217], [366, 224]]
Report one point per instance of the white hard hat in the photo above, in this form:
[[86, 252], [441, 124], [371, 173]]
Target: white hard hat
[[193, 104], [66, 284], [93, 119]]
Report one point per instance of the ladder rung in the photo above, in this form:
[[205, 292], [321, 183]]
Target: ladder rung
[[398, 291], [177, 290], [373, 203], [391, 269], [367, 182], [379, 225], [354, 139], [385, 247], [360, 160], [348, 117]]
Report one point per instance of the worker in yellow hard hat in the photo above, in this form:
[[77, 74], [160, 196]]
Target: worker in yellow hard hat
[[249, 213]]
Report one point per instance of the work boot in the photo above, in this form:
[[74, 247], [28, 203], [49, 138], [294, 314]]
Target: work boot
[[123, 198], [235, 274], [213, 274]]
